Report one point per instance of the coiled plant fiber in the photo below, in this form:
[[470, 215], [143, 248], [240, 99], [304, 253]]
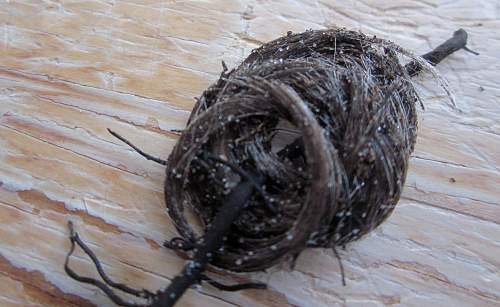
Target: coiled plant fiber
[[327, 119]]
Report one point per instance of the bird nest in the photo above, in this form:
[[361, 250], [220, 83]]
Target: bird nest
[[324, 122], [305, 144]]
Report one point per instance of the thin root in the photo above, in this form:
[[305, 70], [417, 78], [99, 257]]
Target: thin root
[[136, 149], [341, 266], [233, 288], [108, 283]]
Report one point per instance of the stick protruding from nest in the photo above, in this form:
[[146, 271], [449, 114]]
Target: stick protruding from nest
[[263, 198]]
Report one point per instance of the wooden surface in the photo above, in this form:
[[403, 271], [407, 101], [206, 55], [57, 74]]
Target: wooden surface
[[69, 70]]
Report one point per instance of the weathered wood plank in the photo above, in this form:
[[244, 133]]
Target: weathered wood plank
[[69, 70]]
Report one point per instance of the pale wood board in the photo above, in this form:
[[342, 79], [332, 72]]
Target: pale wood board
[[71, 69]]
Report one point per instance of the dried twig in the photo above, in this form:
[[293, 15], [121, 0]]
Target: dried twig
[[354, 105]]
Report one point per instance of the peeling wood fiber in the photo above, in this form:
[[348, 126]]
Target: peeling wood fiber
[[69, 70]]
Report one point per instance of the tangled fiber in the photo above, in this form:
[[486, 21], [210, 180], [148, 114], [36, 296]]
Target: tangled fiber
[[305, 144], [346, 105]]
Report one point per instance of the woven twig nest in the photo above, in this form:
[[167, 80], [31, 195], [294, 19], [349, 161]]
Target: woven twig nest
[[327, 119]]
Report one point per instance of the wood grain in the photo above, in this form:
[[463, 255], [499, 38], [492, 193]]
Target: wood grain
[[71, 69]]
